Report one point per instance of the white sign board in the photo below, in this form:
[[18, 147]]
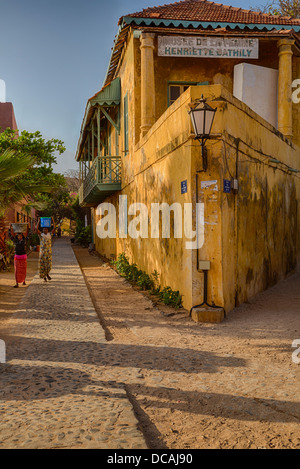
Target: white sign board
[[208, 47], [206, 184]]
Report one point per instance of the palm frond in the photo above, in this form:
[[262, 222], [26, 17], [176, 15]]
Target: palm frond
[[12, 188], [40, 206], [13, 165]]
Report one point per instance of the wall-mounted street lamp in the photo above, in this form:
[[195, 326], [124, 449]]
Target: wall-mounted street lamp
[[202, 117]]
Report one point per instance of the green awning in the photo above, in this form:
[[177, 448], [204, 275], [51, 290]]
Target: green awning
[[110, 95]]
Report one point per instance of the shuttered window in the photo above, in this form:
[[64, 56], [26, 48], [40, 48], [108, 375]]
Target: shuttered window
[[175, 89], [126, 140]]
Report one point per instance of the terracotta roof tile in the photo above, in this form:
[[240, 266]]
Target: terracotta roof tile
[[203, 10], [217, 31]]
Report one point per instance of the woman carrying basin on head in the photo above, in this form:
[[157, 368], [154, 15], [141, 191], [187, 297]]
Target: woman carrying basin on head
[[45, 261], [20, 259]]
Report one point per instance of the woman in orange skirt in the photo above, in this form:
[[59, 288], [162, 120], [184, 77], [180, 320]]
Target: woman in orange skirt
[[20, 261]]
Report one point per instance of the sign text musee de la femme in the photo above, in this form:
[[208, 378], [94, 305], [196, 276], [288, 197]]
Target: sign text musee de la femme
[[207, 47]]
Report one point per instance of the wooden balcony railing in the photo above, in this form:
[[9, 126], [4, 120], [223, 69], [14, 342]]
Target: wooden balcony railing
[[103, 178]]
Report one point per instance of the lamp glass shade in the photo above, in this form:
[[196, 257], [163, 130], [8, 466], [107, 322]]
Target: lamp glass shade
[[202, 117]]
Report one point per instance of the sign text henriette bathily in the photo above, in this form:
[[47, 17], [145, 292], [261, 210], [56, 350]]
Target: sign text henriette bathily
[[207, 47]]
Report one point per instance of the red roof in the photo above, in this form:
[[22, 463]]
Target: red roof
[[205, 11]]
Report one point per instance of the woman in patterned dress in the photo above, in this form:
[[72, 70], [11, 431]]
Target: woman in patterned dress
[[45, 261]]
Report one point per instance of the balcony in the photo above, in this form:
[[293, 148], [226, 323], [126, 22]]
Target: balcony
[[101, 181]]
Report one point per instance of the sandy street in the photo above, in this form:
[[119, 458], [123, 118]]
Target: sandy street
[[94, 363], [231, 385]]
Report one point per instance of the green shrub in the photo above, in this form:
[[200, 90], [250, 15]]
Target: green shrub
[[79, 228], [146, 282], [155, 279], [7, 254], [127, 270], [10, 252], [170, 297], [84, 235], [133, 273], [122, 265]]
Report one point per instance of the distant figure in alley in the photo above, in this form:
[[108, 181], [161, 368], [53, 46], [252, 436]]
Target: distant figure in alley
[[45, 261], [20, 259]]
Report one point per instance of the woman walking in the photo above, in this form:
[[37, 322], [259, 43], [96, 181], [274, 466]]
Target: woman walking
[[45, 261], [20, 260]]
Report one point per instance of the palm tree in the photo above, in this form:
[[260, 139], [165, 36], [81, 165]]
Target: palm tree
[[12, 188], [11, 167]]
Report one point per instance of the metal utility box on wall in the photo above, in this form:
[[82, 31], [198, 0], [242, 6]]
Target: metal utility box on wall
[[204, 265]]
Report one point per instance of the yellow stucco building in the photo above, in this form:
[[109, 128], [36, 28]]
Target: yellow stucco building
[[137, 146]]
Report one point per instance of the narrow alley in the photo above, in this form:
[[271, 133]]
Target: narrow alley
[[53, 392], [94, 363]]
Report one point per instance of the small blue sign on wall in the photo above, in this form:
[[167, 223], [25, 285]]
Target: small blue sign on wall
[[183, 187], [226, 186]]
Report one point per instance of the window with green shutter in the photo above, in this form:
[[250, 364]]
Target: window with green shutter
[[176, 88]]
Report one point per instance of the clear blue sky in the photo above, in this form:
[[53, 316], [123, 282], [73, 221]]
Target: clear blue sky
[[53, 57]]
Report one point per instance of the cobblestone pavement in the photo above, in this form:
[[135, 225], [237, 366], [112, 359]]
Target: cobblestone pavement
[[54, 392], [148, 376]]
